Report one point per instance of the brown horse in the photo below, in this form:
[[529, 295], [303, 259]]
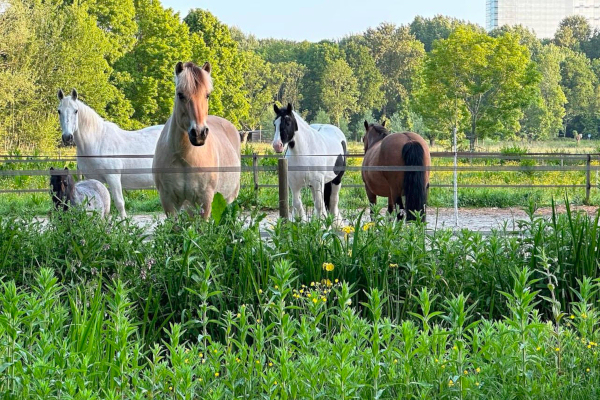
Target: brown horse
[[192, 138], [396, 149]]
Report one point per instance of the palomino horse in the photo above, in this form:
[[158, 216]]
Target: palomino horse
[[314, 145], [192, 138], [397, 149], [89, 194], [96, 138]]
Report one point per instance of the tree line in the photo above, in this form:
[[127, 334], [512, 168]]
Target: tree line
[[428, 76]]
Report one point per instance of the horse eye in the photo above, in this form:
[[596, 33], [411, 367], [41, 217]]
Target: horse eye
[[208, 96], [181, 96], [59, 112], [76, 111]]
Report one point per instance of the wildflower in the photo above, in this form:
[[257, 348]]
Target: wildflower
[[337, 281], [348, 230], [478, 370], [186, 361], [199, 379], [275, 383], [368, 226], [315, 300], [301, 290], [215, 351], [216, 374], [276, 286], [450, 383], [393, 265], [187, 351], [312, 283], [572, 316], [270, 364], [395, 361], [587, 370], [538, 348], [557, 349], [203, 360], [583, 315], [466, 372], [348, 302], [237, 360], [476, 383], [259, 291], [200, 355], [171, 388], [328, 283], [455, 348], [443, 366], [257, 362], [327, 267], [324, 298], [350, 253], [258, 320], [239, 315], [436, 360]]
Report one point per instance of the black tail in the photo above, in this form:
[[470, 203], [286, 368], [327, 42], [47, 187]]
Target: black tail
[[414, 188], [327, 195]]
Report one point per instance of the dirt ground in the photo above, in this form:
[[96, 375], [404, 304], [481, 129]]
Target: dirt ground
[[479, 219]]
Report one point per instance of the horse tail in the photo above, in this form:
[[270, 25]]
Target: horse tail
[[339, 168], [327, 194], [414, 186]]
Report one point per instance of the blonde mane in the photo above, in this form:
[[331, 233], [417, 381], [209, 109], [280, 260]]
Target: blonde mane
[[191, 78]]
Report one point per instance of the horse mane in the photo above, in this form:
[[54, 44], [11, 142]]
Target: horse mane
[[380, 130], [192, 77], [89, 119]]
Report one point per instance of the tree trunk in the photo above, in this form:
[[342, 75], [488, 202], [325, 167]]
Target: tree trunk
[[473, 137], [431, 141]]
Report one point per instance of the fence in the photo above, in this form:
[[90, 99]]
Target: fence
[[566, 162]]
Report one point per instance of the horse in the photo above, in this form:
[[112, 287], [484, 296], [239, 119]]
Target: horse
[[316, 145], [383, 148], [91, 194], [190, 139], [96, 138]]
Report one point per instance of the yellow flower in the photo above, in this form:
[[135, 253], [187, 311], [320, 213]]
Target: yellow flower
[[478, 370], [337, 280], [276, 286], [443, 366], [171, 388], [455, 348], [436, 360], [186, 361], [450, 383], [587, 370], [393, 265], [572, 316], [301, 290], [557, 349], [589, 346], [201, 355], [215, 351], [584, 315], [348, 229], [328, 283], [538, 348], [312, 283], [239, 315], [368, 226], [187, 351], [328, 267], [216, 374], [237, 360], [275, 383], [260, 291], [476, 383], [258, 320], [395, 361], [466, 372], [257, 362], [315, 300], [199, 379], [270, 364]]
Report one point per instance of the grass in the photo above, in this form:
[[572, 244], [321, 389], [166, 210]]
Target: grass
[[380, 311]]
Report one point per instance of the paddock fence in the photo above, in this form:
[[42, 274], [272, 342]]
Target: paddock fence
[[495, 162]]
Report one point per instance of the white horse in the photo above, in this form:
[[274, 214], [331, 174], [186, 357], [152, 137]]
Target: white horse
[[316, 145], [96, 138]]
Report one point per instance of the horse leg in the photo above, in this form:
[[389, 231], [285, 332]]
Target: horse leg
[[318, 188], [116, 191], [395, 202], [207, 203], [372, 202], [298, 209], [334, 201]]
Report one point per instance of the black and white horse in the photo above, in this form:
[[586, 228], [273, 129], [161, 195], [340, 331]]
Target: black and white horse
[[317, 145]]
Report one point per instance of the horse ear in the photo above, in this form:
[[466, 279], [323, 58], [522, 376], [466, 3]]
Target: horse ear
[[61, 95], [207, 67], [66, 168], [74, 94], [366, 125], [178, 68], [383, 123], [51, 168], [289, 108], [276, 109]]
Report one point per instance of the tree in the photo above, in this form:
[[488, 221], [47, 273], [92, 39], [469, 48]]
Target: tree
[[578, 82], [491, 79], [428, 30], [262, 82], [321, 117], [370, 91], [398, 56], [145, 74], [339, 89], [290, 90], [218, 47], [544, 116], [526, 37], [572, 32]]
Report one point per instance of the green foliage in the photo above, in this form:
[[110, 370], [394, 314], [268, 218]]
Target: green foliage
[[321, 117], [340, 89], [572, 32]]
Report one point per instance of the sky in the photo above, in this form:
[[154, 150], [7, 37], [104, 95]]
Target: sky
[[315, 20]]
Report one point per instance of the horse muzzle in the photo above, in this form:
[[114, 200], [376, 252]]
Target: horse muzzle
[[278, 147], [198, 137], [68, 139]]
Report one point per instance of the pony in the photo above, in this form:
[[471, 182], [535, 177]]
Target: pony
[[191, 139], [99, 141], [90, 194], [383, 148], [316, 145]]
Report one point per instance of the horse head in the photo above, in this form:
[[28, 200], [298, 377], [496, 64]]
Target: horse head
[[286, 127], [67, 115], [62, 189], [373, 134], [193, 88]]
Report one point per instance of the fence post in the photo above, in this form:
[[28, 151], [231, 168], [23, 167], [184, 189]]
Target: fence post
[[255, 169], [588, 181], [282, 170]]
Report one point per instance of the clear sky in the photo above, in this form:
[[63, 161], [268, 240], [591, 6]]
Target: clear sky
[[314, 20]]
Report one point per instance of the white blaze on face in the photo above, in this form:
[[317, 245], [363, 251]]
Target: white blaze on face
[[68, 117], [277, 143]]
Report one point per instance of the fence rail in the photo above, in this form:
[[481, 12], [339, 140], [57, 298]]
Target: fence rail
[[568, 162]]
